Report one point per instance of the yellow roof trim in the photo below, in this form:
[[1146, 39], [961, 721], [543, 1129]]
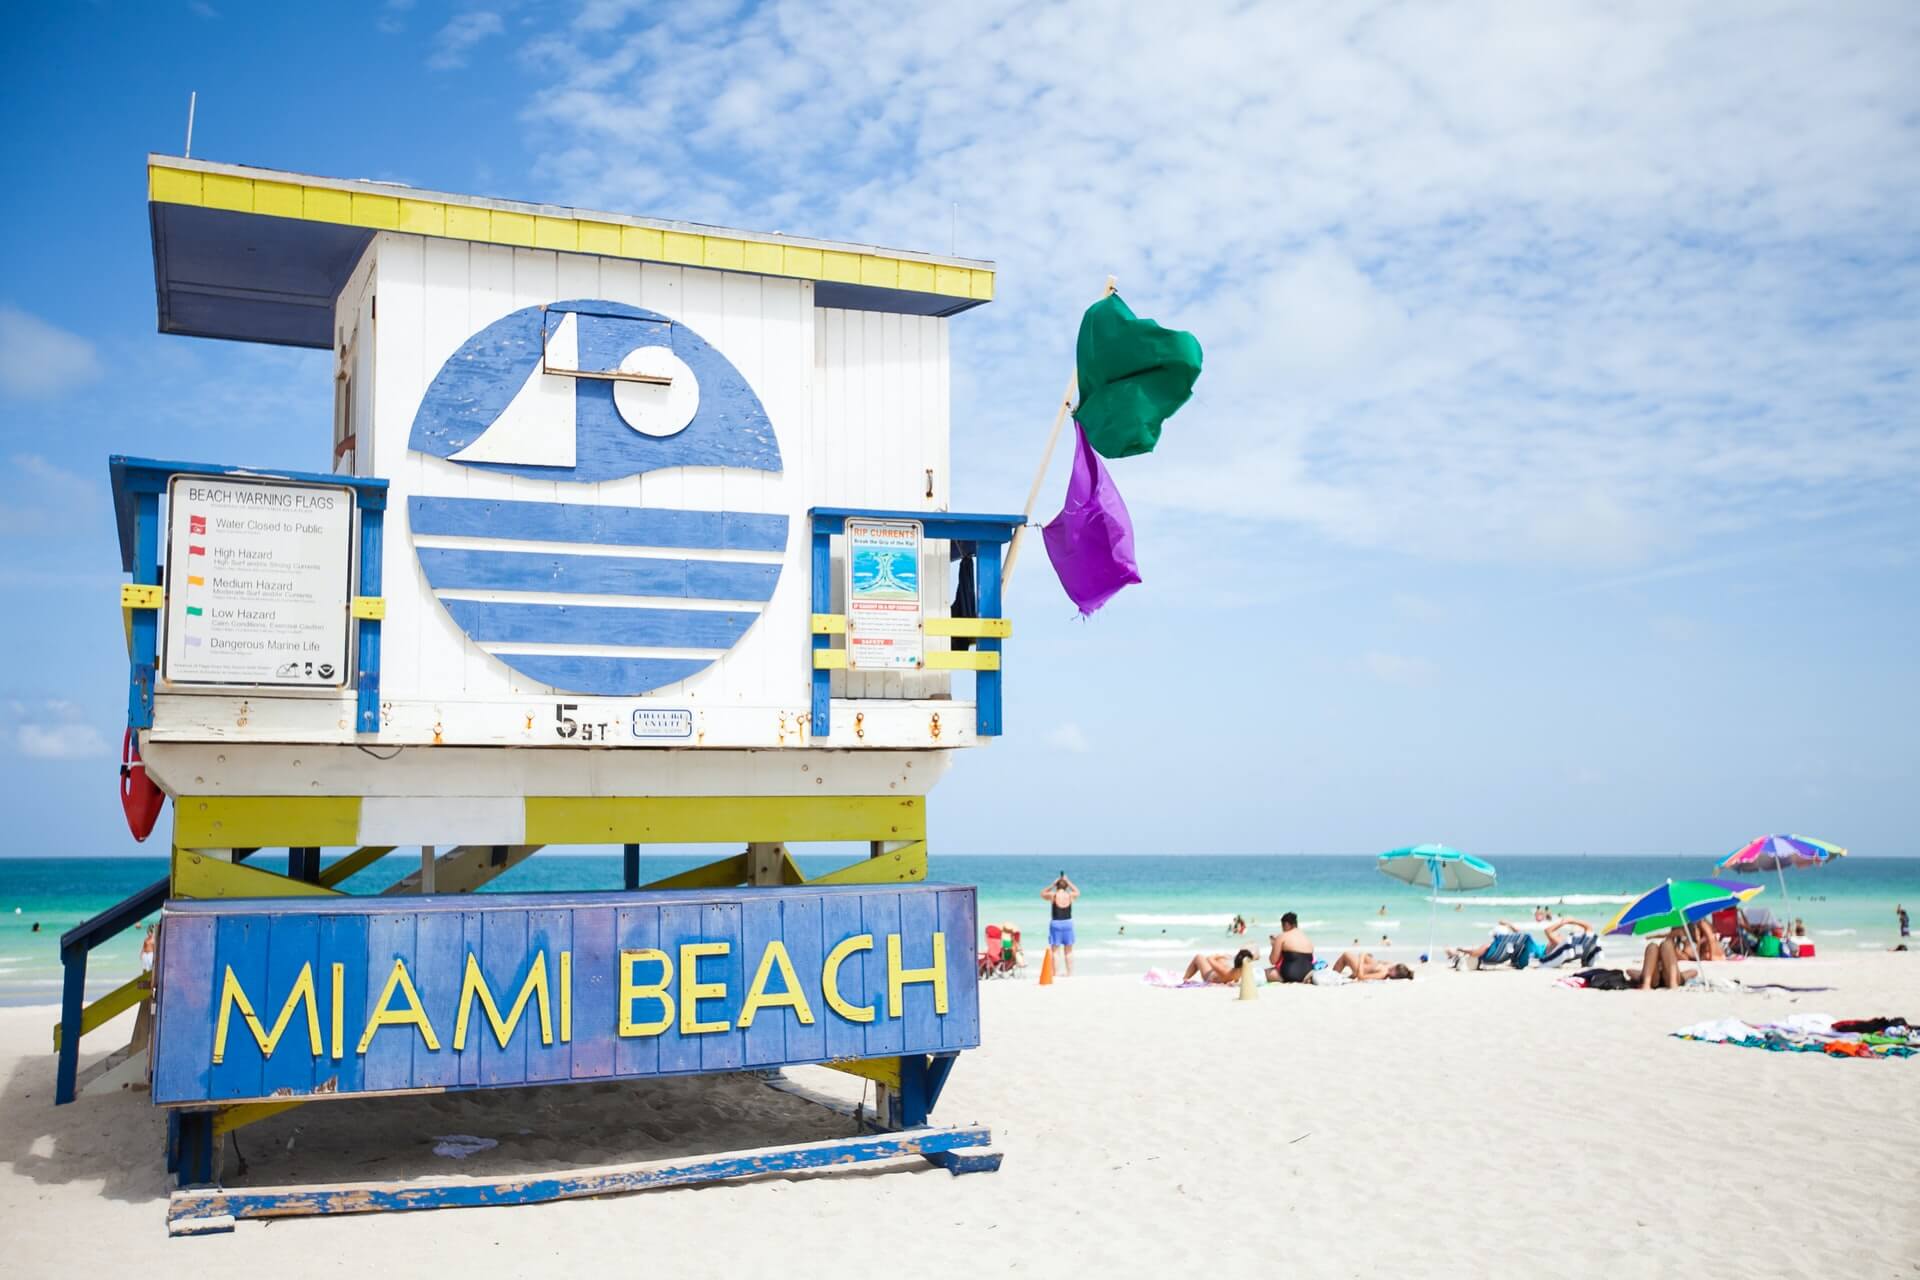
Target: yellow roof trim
[[384, 206]]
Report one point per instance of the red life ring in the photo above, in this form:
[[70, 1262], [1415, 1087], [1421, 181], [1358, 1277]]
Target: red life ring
[[139, 798]]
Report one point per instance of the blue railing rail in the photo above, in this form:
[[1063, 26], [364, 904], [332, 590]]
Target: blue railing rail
[[138, 484], [990, 533]]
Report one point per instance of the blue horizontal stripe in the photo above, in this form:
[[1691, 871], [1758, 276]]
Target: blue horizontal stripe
[[612, 677], [614, 526], [461, 569], [487, 621]]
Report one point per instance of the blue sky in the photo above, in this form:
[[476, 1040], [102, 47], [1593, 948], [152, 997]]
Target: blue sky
[[1553, 485]]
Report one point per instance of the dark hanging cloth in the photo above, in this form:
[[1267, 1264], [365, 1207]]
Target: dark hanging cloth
[[966, 596]]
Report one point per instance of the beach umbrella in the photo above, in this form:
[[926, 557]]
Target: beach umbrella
[[1438, 867], [1777, 853], [1678, 903]]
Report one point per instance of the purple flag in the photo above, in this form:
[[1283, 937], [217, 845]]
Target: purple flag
[[1091, 541]]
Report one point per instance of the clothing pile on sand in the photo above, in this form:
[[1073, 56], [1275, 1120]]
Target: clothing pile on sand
[[1889, 1037]]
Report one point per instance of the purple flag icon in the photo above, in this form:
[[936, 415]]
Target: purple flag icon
[[1091, 541]]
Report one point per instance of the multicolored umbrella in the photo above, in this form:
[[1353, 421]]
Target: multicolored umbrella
[[1678, 903], [1776, 853], [1440, 867]]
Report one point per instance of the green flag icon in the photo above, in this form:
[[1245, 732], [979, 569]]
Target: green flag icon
[[1133, 375]]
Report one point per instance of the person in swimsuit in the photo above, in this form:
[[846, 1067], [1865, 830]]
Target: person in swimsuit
[[1061, 895], [1364, 968], [1661, 966], [1290, 957], [1217, 970]]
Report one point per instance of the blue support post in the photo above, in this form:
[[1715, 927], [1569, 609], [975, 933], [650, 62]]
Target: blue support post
[[986, 684], [821, 720], [368, 680], [630, 862], [146, 622], [192, 1141], [73, 1000]]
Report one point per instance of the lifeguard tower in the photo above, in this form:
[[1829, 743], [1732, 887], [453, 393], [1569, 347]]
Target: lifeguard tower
[[627, 532]]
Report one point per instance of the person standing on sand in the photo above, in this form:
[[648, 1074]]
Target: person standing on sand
[[1061, 895]]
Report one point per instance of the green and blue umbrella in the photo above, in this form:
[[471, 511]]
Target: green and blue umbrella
[[1439, 867], [1678, 903]]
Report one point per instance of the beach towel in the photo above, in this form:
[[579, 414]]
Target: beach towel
[[1329, 978]]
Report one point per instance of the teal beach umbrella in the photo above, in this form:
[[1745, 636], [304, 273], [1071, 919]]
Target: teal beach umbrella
[[1438, 867]]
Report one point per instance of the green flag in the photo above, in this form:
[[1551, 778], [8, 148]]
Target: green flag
[[1133, 375]]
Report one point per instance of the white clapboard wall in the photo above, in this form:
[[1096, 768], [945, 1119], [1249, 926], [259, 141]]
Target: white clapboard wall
[[858, 402]]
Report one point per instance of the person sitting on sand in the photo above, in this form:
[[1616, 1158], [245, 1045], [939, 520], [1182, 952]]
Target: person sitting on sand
[[1217, 969], [1364, 968], [1706, 943], [1290, 951], [1661, 967]]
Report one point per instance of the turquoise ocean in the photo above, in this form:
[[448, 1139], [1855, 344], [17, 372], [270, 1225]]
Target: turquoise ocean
[[1136, 912]]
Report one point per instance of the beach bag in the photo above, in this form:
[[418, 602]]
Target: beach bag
[[1769, 947]]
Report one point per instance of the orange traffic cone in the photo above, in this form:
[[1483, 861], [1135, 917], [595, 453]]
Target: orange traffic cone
[[1046, 969]]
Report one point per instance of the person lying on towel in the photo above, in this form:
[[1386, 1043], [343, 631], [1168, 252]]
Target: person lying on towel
[[1217, 969], [1364, 968]]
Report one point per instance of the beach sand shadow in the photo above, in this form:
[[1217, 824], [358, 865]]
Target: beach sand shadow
[[119, 1140]]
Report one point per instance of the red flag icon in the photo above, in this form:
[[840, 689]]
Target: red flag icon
[[196, 524], [193, 550]]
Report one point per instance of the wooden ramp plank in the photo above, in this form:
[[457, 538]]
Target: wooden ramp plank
[[206, 1205]]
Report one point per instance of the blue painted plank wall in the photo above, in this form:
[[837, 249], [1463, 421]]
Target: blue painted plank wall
[[569, 946]]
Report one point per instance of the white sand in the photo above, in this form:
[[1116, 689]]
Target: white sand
[[1446, 1127]]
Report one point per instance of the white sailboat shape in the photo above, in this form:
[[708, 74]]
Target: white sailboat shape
[[536, 429]]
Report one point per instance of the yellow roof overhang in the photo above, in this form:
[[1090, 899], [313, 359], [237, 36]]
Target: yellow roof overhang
[[259, 255]]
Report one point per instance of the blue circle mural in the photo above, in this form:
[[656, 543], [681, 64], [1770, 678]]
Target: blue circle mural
[[579, 392]]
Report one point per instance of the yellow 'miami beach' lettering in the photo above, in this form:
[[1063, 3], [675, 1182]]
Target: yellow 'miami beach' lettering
[[232, 997], [339, 1011], [412, 1016], [631, 991], [474, 984], [692, 992], [757, 996], [898, 976], [830, 979]]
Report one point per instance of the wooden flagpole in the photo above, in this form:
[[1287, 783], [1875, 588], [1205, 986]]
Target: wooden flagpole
[[1046, 459]]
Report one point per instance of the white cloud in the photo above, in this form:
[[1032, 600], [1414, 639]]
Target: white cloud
[[1069, 737], [1578, 285], [38, 359], [51, 729], [1397, 668], [455, 41], [43, 498]]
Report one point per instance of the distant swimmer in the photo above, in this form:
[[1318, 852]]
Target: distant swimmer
[[1383, 908], [36, 927], [1900, 913], [1061, 895]]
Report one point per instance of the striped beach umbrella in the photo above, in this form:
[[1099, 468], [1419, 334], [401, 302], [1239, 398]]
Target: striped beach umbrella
[[1778, 852], [1678, 903]]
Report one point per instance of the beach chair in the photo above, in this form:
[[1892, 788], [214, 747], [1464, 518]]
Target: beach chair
[[991, 958], [1726, 924]]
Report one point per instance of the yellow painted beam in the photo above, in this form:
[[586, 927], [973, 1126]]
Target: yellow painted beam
[[167, 184], [108, 1007], [829, 624], [723, 874], [829, 659], [354, 863], [884, 1071], [265, 822], [368, 608], [201, 875], [905, 864], [963, 660], [713, 819], [989, 628], [227, 1119]]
